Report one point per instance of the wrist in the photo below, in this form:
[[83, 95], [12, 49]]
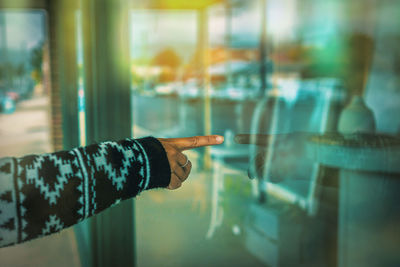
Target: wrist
[[157, 172]]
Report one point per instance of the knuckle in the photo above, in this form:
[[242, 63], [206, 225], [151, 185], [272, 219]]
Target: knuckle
[[172, 151], [174, 166], [181, 157], [195, 141], [180, 174]]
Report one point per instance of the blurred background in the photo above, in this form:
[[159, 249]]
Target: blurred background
[[323, 77]]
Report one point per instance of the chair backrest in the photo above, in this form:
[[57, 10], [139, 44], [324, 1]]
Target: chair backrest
[[290, 113]]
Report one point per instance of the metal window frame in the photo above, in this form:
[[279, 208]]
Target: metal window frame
[[108, 117]]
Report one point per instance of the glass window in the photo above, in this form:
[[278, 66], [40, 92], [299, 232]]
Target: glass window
[[170, 73], [305, 92], [319, 80]]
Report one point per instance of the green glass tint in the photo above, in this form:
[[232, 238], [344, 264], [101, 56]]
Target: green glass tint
[[318, 81]]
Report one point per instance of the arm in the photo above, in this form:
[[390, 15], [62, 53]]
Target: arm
[[42, 194]]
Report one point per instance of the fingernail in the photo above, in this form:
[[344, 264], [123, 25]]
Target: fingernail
[[219, 139]]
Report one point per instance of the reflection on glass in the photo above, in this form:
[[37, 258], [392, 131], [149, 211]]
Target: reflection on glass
[[323, 197]]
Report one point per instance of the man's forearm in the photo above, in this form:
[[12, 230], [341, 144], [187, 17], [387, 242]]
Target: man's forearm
[[42, 194]]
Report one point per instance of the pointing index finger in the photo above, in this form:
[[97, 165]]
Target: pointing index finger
[[264, 139], [257, 139], [197, 141]]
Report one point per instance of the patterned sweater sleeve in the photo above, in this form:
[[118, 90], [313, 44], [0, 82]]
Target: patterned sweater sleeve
[[42, 194]]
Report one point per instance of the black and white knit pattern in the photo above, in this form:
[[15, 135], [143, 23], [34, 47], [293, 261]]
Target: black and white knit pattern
[[42, 194]]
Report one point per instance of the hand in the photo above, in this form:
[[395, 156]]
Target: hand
[[264, 139], [179, 163], [287, 149]]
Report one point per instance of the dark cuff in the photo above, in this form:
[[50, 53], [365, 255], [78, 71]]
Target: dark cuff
[[160, 171]]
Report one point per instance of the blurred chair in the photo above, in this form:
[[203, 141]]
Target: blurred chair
[[296, 106]]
